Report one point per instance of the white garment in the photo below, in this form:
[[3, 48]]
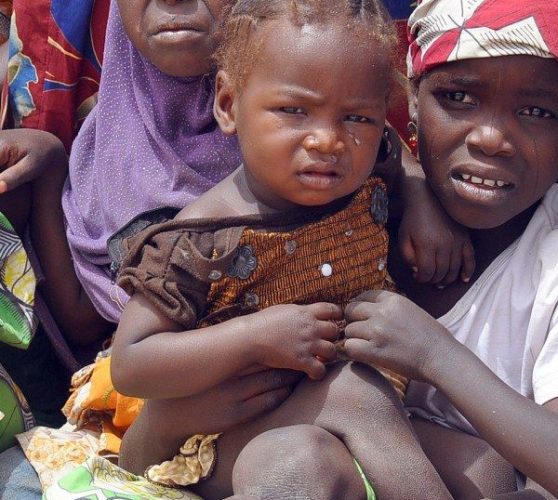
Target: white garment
[[509, 319]]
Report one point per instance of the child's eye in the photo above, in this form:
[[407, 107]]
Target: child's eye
[[460, 96], [357, 119], [536, 112], [292, 110]]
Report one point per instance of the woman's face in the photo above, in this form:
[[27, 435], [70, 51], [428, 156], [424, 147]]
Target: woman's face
[[488, 136], [177, 36]]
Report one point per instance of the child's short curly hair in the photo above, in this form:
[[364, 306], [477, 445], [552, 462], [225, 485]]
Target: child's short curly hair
[[240, 44]]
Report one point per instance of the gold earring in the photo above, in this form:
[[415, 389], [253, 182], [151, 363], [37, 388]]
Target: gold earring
[[413, 132]]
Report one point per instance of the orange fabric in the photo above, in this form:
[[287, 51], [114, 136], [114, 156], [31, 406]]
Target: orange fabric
[[96, 404]]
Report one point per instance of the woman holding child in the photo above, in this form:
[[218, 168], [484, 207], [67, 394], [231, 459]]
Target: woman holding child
[[496, 145], [490, 169]]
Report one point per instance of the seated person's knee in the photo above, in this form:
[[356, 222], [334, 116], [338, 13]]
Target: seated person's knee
[[300, 461]]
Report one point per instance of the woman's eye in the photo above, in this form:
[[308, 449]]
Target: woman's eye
[[357, 119], [292, 110], [536, 112], [460, 97]]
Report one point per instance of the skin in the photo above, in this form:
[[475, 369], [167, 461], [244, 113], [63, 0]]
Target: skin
[[434, 246], [309, 120], [176, 36], [35, 168], [499, 123]]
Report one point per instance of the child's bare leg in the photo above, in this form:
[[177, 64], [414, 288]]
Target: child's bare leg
[[276, 464], [469, 466], [359, 407]]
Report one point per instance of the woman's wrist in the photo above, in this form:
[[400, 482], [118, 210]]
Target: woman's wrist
[[440, 362]]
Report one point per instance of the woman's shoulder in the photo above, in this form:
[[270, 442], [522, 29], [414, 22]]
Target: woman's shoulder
[[549, 207]]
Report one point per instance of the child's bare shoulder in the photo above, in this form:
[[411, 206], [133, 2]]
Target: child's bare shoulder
[[213, 204], [225, 199]]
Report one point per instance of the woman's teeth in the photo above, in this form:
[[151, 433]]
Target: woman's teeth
[[487, 182]]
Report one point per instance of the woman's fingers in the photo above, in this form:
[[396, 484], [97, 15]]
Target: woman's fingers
[[15, 176]]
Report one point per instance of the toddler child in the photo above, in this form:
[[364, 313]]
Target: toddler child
[[253, 274]]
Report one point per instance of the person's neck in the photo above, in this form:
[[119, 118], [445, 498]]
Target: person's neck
[[489, 243], [255, 196]]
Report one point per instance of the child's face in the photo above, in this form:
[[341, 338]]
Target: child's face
[[176, 36], [310, 114], [488, 136]]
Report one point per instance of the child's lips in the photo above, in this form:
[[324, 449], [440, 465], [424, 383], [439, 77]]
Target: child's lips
[[319, 177]]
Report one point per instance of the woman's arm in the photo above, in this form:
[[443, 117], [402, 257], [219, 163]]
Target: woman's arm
[[162, 424], [33, 168], [523, 432], [436, 248], [391, 331], [152, 358], [67, 300]]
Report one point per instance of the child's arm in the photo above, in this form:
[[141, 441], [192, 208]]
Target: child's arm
[[68, 302], [389, 330], [153, 358], [437, 249]]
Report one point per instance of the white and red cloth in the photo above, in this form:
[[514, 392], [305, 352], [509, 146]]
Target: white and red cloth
[[442, 31]]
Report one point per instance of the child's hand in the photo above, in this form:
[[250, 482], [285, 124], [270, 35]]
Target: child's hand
[[433, 245], [388, 330], [25, 154], [299, 337]]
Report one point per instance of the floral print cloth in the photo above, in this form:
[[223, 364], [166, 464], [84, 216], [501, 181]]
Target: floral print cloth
[[99, 479], [18, 321], [54, 68]]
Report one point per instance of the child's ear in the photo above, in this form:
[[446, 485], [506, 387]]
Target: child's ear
[[224, 105]]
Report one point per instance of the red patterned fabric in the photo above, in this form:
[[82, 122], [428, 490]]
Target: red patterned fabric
[[441, 31], [56, 49]]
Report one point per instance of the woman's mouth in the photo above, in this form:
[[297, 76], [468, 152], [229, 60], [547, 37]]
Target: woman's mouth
[[484, 182], [484, 190], [175, 32]]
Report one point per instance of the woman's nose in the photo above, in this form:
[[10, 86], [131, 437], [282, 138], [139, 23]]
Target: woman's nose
[[492, 139]]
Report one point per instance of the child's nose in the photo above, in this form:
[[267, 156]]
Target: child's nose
[[324, 140], [492, 139]]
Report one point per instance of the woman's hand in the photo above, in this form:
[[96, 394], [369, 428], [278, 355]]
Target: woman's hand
[[163, 424], [25, 154], [388, 330], [435, 247]]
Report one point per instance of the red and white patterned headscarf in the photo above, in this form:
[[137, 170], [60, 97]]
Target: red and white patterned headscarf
[[441, 31]]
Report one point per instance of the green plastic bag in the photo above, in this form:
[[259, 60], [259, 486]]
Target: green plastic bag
[[15, 415], [18, 321]]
